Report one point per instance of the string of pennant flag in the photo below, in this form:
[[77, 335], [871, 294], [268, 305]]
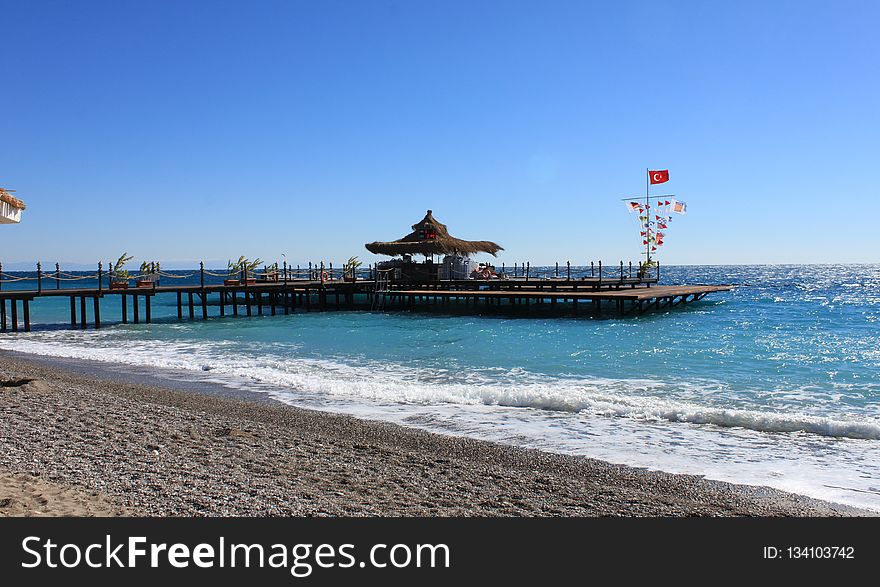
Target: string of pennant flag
[[654, 219]]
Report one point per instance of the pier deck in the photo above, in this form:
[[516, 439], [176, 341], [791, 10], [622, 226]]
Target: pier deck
[[632, 294], [629, 295]]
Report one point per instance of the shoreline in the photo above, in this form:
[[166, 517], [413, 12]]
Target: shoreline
[[164, 449]]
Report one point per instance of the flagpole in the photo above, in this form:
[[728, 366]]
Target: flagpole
[[648, 215]]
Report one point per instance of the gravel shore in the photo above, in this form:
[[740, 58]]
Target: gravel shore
[[136, 449]]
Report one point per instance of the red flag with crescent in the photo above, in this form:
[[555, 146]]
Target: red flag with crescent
[[659, 176]]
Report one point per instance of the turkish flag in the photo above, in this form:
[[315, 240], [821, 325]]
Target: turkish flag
[[659, 176]]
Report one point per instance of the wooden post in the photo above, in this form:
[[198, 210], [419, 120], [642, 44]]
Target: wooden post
[[39, 277], [97, 310], [58, 277], [82, 312], [1, 276], [247, 303], [222, 303], [100, 277], [234, 304], [192, 313], [568, 270], [528, 268], [179, 306], [592, 270], [557, 269], [124, 309], [147, 308], [14, 315], [134, 305], [72, 312], [204, 297], [285, 272], [259, 295], [25, 304], [2, 315]]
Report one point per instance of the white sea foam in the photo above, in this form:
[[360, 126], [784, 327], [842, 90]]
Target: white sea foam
[[636, 399]]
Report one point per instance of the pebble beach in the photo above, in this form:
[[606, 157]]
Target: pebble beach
[[79, 445]]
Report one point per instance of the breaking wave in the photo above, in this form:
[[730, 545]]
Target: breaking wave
[[285, 377]]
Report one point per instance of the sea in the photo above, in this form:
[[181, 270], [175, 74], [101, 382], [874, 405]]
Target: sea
[[775, 383]]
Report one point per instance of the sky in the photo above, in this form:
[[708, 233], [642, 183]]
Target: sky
[[182, 131]]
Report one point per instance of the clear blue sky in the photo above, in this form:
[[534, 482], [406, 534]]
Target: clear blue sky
[[207, 130]]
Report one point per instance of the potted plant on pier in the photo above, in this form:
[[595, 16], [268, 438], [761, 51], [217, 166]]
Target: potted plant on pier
[[645, 269], [243, 265], [120, 275], [147, 275], [349, 270], [232, 270]]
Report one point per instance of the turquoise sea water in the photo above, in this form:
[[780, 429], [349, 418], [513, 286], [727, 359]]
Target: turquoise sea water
[[775, 383]]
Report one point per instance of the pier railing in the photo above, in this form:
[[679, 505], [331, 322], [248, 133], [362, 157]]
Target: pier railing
[[154, 274]]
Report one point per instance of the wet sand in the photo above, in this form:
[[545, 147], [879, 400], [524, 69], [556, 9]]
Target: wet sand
[[75, 444]]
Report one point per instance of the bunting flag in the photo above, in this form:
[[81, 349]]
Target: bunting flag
[[653, 224]]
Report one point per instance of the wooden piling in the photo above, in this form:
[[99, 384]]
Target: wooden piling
[[72, 311], [134, 306], [2, 315], [97, 310], [14, 315], [179, 306], [25, 304], [192, 313], [82, 312], [124, 309], [148, 316]]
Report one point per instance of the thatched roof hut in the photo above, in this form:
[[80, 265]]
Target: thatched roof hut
[[430, 237]]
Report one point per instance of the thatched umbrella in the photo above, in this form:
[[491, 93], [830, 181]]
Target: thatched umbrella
[[430, 237]]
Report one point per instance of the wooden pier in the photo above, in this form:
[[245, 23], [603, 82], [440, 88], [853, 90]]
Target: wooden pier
[[623, 295]]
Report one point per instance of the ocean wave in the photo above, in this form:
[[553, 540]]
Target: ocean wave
[[284, 376]]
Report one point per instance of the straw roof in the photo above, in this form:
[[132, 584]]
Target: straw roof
[[418, 242], [6, 196]]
